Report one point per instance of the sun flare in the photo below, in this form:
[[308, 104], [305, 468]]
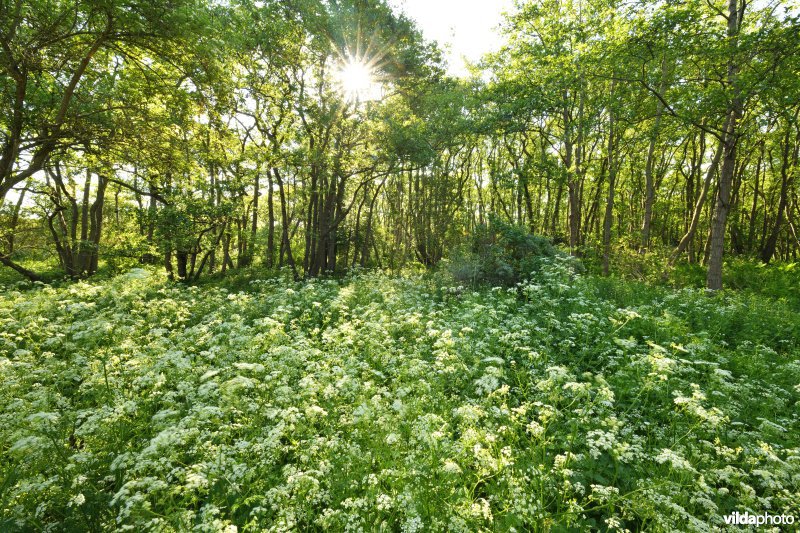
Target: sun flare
[[357, 81]]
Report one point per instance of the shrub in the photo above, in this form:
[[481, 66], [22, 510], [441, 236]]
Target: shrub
[[502, 254]]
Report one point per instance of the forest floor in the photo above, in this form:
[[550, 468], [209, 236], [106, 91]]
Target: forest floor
[[395, 402]]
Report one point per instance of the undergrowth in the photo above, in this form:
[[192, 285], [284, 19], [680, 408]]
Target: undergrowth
[[394, 403]]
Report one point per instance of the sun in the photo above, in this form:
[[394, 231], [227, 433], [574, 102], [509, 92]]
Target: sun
[[356, 79]]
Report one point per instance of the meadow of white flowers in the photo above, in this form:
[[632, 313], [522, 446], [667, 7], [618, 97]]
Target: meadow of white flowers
[[394, 403]]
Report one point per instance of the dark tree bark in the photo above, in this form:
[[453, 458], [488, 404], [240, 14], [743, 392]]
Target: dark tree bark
[[96, 225]]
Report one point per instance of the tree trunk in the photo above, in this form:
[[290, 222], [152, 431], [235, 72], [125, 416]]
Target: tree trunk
[[270, 223], [31, 275], [751, 232], [718, 223], [82, 246], [649, 182], [786, 181], [182, 259], [286, 244], [149, 258], [168, 264], [251, 250], [701, 199], [96, 225], [15, 219], [612, 178]]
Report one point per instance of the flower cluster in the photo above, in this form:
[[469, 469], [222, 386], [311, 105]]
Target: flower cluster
[[392, 403]]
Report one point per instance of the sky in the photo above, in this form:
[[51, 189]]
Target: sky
[[468, 27]]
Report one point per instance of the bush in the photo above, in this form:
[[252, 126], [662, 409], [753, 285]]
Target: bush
[[502, 254]]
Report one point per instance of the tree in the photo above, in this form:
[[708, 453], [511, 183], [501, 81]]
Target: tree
[[60, 59]]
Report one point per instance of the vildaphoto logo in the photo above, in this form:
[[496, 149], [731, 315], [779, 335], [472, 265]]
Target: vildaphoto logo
[[746, 519]]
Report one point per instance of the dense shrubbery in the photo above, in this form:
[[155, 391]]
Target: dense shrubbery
[[381, 403], [502, 254]]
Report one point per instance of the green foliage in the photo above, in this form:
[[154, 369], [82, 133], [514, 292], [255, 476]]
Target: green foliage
[[779, 281], [502, 254], [383, 403]]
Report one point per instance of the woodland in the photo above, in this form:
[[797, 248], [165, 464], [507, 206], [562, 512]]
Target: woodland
[[265, 265]]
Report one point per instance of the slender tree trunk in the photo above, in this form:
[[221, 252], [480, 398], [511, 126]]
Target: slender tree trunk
[[718, 223], [721, 209], [368, 231], [649, 184], [117, 192], [270, 223], [357, 230], [285, 241], [149, 258], [573, 192], [557, 209], [251, 250], [96, 225], [788, 162], [751, 232], [698, 209], [168, 264], [83, 245], [612, 178], [15, 219]]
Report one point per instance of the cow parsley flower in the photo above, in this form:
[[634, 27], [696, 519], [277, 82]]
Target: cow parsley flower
[[451, 467]]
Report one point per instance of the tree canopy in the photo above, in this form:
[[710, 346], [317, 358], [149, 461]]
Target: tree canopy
[[236, 132]]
